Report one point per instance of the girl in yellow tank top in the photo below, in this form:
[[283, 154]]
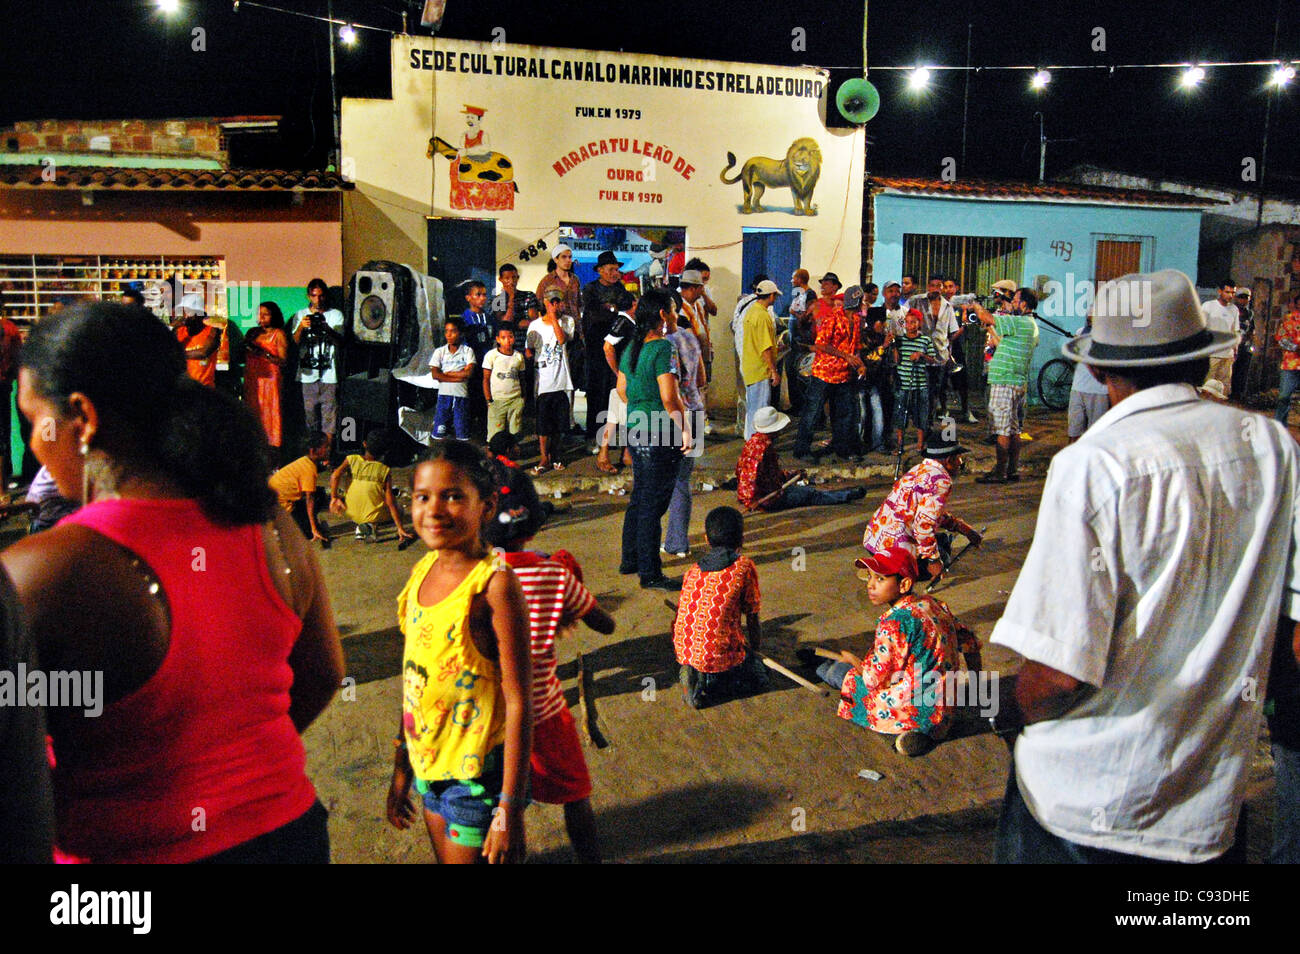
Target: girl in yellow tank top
[[465, 735]]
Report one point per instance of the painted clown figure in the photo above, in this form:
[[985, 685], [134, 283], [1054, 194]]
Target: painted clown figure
[[475, 145]]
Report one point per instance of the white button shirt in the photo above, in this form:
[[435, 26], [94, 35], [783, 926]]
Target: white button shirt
[[1165, 549]]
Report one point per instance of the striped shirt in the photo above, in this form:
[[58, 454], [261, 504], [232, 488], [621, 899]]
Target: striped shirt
[[556, 599], [912, 375], [1018, 336]]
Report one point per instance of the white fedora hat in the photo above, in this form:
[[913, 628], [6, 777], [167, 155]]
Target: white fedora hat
[[1146, 319], [768, 420]]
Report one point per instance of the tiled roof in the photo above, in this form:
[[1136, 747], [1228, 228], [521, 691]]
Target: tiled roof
[[197, 180], [1036, 192]]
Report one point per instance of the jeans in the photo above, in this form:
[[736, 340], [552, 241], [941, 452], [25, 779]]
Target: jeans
[[832, 673], [706, 688], [654, 473], [451, 413], [844, 417], [676, 537], [1289, 383], [869, 396], [756, 396], [1286, 813], [799, 496], [1021, 840]]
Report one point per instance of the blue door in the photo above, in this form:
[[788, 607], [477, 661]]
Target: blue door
[[775, 254]]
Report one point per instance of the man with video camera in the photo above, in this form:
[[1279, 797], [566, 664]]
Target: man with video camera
[[317, 333]]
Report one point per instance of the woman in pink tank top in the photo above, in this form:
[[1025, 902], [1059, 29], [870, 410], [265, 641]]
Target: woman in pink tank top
[[189, 605]]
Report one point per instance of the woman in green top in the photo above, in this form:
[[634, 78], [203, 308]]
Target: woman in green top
[[658, 433]]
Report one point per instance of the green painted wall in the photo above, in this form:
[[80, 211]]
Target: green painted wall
[[290, 299]]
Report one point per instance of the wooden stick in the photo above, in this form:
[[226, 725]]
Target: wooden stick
[[587, 707], [773, 495], [828, 653], [773, 664]]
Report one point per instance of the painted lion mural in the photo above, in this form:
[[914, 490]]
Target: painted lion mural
[[798, 171]]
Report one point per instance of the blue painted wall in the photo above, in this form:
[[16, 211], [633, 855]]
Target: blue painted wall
[[1174, 234]]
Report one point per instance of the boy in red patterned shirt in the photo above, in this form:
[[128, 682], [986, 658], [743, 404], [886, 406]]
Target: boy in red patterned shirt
[[557, 599], [718, 659]]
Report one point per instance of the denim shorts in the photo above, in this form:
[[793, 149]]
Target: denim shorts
[[467, 805]]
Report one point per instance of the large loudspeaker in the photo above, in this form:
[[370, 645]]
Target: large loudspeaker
[[851, 101], [373, 319]]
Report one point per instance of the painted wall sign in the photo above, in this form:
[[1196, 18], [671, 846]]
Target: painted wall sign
[[587, 69], [536, 138]]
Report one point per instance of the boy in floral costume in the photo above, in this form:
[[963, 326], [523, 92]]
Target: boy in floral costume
[[898, 689]]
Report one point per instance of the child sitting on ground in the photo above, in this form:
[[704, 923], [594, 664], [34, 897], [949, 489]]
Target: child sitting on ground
[[917, 639], [718, 659], [913, 353], [452, 365], [370, 491], [556, 600]]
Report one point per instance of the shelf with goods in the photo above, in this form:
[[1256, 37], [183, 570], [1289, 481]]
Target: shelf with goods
[[35, 285]]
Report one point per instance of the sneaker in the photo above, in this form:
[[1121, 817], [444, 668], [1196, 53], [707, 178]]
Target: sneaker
[[993, 478], [1026, 437], [626, 570], [913, 743], [661, 583], [970, 418], [680, 555]]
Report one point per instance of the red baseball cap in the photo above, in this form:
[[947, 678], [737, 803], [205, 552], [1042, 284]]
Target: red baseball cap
[[898, 559]]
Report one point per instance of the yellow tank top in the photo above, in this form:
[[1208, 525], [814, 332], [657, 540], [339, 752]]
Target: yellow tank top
[[453, 711], [365, 497]]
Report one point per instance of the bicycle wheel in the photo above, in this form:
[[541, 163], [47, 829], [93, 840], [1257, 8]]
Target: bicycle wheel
[[1054, 382]]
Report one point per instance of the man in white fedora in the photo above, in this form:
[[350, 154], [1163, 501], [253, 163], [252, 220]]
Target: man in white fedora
[[1146, 608], [760, 479]]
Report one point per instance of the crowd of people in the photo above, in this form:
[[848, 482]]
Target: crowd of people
[[1162, 577]]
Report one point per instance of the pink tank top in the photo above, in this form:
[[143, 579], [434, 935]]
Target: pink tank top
[[203, 756]]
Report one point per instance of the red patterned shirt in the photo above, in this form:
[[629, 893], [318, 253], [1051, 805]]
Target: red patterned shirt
[[898, 688], [758, 472], [1290, 329], [707, 634], [556, 599], [839, 331]]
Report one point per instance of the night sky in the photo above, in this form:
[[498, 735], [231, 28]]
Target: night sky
[[125, 59]]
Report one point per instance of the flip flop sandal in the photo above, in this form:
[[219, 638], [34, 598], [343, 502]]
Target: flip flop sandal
[[537, 471], [557, 466]]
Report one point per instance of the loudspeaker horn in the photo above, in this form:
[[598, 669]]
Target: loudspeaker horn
[[858, 101]]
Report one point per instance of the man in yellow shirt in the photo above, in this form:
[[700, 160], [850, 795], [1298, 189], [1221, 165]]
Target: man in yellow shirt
[[295, 485], [758, 352]]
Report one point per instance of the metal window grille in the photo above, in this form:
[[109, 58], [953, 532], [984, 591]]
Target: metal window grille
[[31, 286], [976, 261]]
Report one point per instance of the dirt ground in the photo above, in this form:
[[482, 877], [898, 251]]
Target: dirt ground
[[773, 777]]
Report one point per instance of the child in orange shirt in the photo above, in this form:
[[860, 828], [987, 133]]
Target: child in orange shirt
[[718, 659]]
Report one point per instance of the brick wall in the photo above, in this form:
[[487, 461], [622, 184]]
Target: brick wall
[[152, 137]]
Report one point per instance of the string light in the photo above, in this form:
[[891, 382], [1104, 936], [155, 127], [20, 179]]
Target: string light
[[1041, 79], [919, 78], [169, 6], [347, 34], [1282, 75]]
